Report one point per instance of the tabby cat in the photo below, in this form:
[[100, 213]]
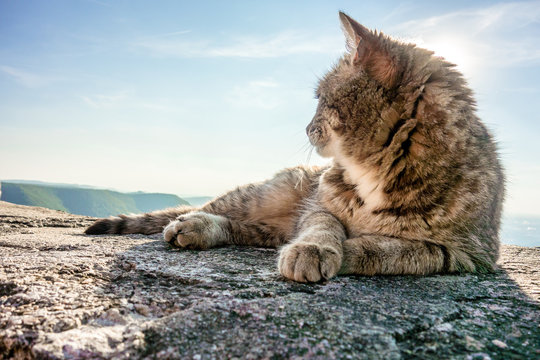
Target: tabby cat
[[415, 185]]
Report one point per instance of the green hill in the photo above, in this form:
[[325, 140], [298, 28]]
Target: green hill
[[197, 200], [84, 200]]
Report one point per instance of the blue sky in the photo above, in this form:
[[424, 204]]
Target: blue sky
[[198, 97]]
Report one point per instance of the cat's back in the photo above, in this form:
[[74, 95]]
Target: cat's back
[[419, 164]]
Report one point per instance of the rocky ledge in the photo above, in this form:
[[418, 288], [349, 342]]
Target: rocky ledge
[[67, 295]]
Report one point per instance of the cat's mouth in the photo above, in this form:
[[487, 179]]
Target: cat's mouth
[[319, 138], [317, 143], [316, 135], [322, 145]]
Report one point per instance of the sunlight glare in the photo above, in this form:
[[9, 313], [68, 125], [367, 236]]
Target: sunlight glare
[[453, 50]]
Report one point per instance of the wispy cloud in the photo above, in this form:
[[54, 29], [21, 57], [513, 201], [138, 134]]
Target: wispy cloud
[[99, 101], [27, 79], [168, 34], [495, 17], [263, 94], [277, 45], [102, 3], [498, 35], [126, 99]]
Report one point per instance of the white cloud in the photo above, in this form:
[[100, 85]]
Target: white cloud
[[474, 21], [125, 99], [499, 35], [26, 78], [105, 100], [277, 45], [269, 94], [263, 94], [169, 34]]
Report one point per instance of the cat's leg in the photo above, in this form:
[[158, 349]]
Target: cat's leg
[[317, 252], [383, 255], [149, 223], [262, 214], [202, 230]]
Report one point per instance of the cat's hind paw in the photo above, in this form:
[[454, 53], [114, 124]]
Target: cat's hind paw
[[308, 262], [197, 230]]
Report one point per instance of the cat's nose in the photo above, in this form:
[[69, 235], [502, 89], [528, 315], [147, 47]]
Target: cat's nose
[[309, 128]]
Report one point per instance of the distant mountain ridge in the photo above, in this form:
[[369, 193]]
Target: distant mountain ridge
[[84, 200], [197, 200], [45, 183]]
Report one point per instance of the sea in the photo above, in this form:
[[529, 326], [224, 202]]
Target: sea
[[520, 230]]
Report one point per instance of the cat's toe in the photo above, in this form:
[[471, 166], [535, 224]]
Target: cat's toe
[[305, 262], [170, 231], [189, 232], [182, 234]]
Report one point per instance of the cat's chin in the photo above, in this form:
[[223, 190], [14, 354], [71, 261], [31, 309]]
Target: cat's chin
[[324, 151], [328, 148]]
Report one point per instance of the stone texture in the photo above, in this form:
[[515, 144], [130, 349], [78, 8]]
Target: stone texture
[[67, 295]]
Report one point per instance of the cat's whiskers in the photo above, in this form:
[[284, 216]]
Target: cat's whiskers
[[305, 147], [302, 148], [309, 154]]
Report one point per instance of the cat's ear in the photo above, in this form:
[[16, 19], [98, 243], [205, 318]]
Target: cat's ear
[[369, 52]]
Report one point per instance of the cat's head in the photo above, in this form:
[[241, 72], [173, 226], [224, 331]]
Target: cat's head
[[372, 90]]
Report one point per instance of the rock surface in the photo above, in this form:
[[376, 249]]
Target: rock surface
[[67, 295]]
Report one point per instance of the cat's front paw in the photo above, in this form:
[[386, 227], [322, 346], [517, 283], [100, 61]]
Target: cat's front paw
[[196, 230], [308, 262]]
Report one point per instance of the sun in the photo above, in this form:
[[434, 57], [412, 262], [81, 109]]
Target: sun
[[454, 50]]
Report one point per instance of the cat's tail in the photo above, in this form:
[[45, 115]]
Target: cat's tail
[[149, 223]]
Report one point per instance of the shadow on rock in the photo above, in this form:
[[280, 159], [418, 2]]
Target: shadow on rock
[[231, 302]]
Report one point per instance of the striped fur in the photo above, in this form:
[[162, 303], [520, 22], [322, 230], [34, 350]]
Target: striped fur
[[415, 186]]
